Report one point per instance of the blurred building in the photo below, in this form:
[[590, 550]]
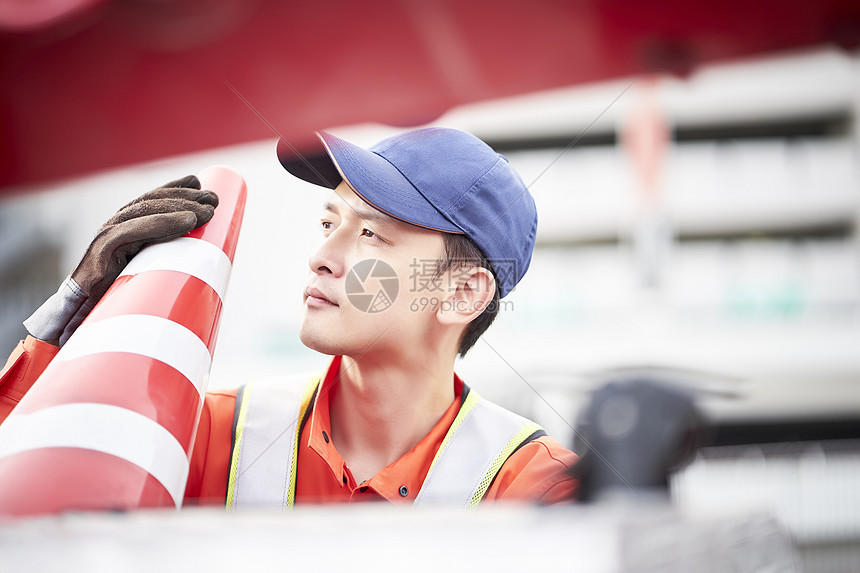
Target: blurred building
[[703, 231]]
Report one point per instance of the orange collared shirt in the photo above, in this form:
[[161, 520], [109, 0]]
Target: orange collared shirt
[[535, 472], [323, 476]]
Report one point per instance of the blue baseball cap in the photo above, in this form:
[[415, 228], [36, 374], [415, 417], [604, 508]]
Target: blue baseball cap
[[437, 178]]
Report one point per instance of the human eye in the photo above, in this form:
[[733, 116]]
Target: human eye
[[326, 226], [373, 236]]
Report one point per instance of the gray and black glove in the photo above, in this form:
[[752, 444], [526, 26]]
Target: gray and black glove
[[155, 217]]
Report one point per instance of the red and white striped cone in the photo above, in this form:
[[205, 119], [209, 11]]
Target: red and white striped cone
[[111, 422]]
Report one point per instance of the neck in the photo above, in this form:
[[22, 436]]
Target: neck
[[383, 406]]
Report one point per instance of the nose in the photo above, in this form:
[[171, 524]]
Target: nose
[[327, 258]]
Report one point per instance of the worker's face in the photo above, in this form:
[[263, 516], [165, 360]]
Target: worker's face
[[367, 280]]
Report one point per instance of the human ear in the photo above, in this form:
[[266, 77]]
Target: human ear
[[474, 289]]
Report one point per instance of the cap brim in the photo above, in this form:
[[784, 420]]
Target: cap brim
[[370, 176], [311, 164]]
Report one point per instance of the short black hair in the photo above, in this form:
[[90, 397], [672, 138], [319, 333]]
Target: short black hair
[[460, 250]]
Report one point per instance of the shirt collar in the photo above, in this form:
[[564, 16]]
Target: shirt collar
[[319, 439], [399, 481]]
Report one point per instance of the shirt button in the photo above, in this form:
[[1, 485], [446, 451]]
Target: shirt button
[[404, 491], [325, 436], [363, 489]]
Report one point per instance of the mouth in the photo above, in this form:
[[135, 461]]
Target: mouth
[[315, 297]]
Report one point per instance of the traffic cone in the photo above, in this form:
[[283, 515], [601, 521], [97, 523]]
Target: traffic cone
[[110, 424]]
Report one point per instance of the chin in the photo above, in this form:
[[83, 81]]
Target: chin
[[339, 341], [331, 341], [319, 341]]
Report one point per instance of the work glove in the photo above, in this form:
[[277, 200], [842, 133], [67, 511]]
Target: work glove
[[155, 217]]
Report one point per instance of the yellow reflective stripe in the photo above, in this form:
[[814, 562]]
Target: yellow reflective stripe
[[307, 395], [234, 462], [467, 406], [518, 438]]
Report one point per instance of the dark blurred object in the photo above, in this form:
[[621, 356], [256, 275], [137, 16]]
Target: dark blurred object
[[91, 84], [632, 435]]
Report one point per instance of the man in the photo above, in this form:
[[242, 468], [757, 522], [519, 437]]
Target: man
[[388, 419]]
